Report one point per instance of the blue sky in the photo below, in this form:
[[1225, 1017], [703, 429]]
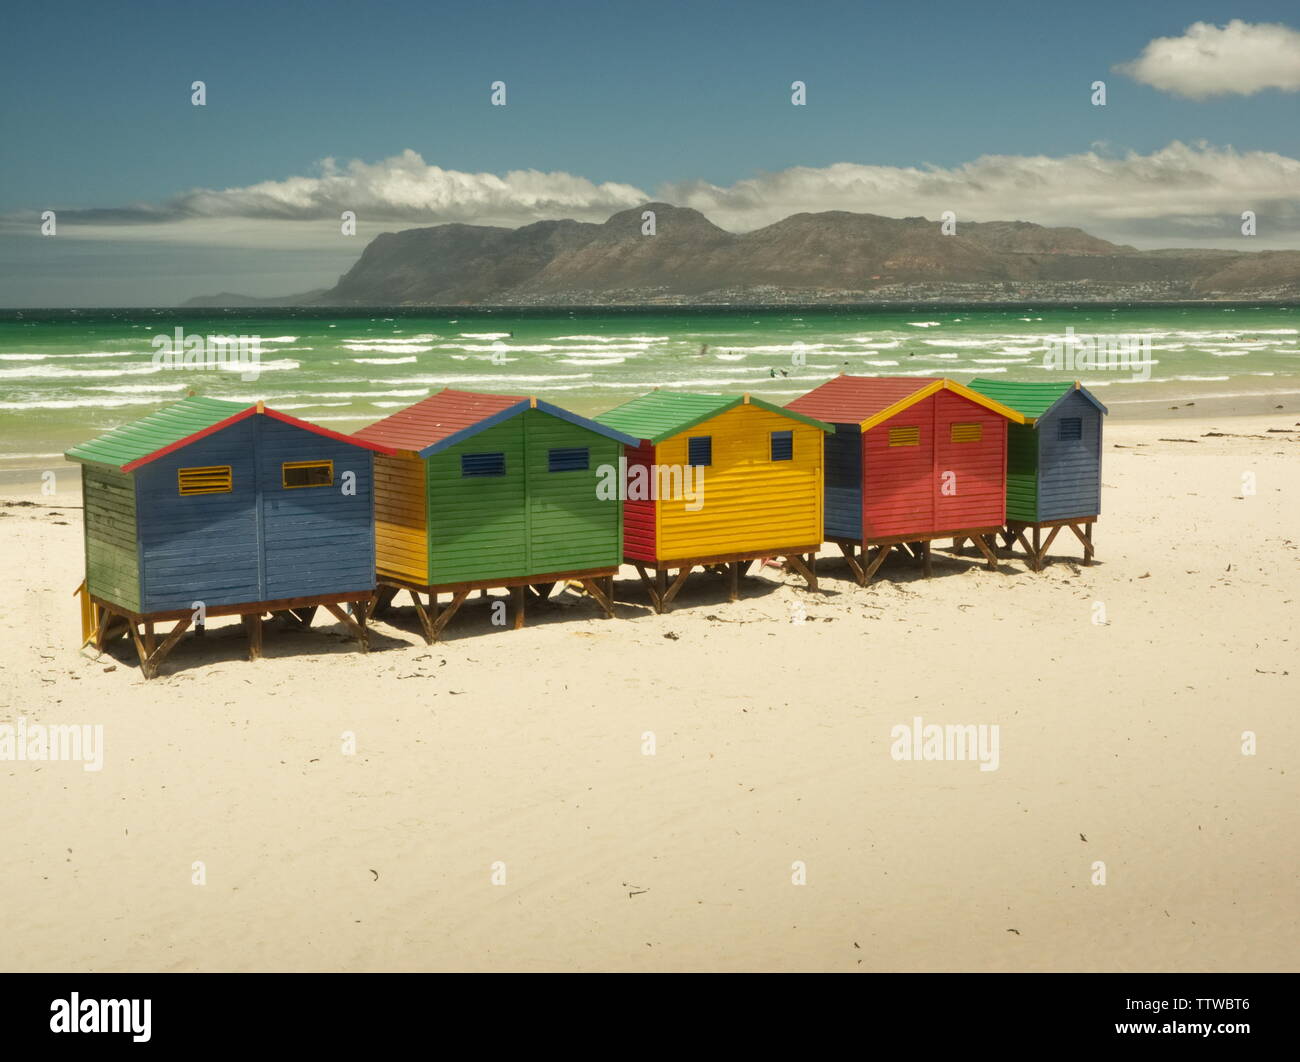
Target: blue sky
[[96, 104]]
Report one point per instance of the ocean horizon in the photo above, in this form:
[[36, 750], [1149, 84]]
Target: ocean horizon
[[66, 375]]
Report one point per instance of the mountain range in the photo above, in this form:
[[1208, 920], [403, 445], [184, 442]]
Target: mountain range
[[831, 257]]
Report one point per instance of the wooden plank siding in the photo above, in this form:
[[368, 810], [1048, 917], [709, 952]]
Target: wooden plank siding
[[260, 540], [320, 539], [401, 519], [974, 471], [898, 489], [529, 521], [750, 501], [201, 547], [1022, 473], [478, 525], [1069, 470], [570, 527], [843, 503], [903, 485], [640, 527], [111, 541]]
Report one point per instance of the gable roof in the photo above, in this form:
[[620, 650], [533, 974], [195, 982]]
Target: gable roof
[[871, 400], [449, 417], [179, 424], [659, 415], [1032, 400]]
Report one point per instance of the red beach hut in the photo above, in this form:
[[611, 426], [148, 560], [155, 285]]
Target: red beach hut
[[911, 460]]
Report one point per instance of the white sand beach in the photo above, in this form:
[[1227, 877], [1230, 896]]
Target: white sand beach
[[1120, 743]]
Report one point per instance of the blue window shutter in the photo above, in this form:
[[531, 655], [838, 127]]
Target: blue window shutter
[[1070, 428], [782, 446], [699, 450], [568, 459], [482, 464]]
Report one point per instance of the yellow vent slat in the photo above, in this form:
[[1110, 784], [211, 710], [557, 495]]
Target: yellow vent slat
[[214, 479], [905, 436], [960, 433]]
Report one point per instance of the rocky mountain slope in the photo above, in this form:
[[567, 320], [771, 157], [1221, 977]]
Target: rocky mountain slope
[[828, 257]]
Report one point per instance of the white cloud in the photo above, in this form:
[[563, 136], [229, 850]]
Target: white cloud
[[405, 186], [1177, 193], [1177, 196], [1240, 58], [300, 212]]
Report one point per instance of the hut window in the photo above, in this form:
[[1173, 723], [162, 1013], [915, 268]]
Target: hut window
[[482, 464], [307, 474], [905, 436], [782, 446], [699, 450], [1070, 428], [960, 433], [569, 459], [213, 479]]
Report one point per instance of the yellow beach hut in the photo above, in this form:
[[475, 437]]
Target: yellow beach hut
[[717, 482]]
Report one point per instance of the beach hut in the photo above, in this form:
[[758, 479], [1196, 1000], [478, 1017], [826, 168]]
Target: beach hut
[[486, 491], [911, 460], [212, 508], [718, 481], [1053, 463]]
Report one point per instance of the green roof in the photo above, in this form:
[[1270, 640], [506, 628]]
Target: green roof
[[168, 426], [660, 415], [1030, 400]]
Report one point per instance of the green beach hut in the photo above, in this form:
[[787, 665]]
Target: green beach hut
[[492, 491]]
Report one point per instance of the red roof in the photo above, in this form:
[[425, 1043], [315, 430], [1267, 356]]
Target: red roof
[[436, 418], [854, 399]]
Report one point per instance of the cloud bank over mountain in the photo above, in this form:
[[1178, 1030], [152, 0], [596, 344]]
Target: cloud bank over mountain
[[1183, 193]]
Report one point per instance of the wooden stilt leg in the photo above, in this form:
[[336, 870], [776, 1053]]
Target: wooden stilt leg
[[101, 628], [441, 619], [596, 591], [351, 623], [140, 650], [253, 627], [149, 643], [159, 654], [1084, 536], [380, 602], [733, 581], [519, 595], [1042, 554], [677, 584], [359, 611], [849, 550], [651, 585], [426, 624], [881, 553], [805, 568], [990, 557], [926, 569], [1031, 556], [661, 590]]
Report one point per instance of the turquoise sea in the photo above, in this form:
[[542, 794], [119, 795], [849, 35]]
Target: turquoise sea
[[68, 375]]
